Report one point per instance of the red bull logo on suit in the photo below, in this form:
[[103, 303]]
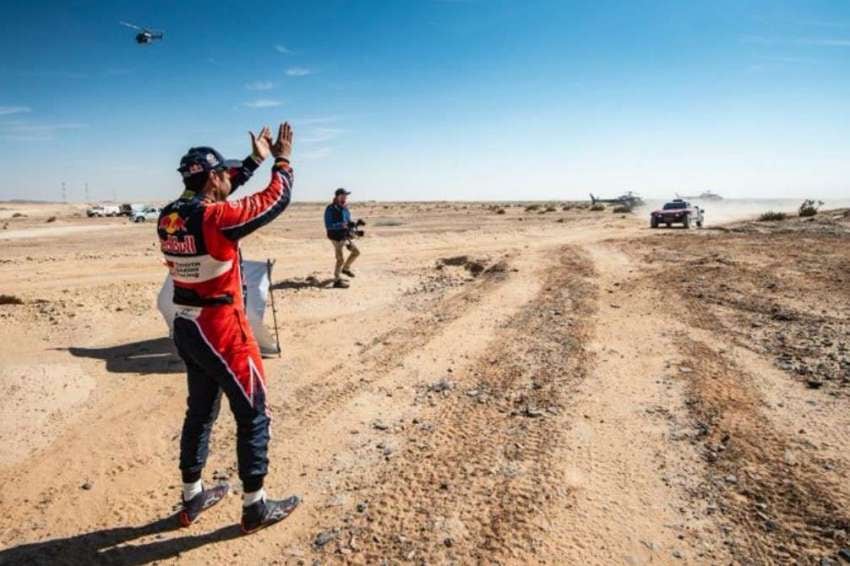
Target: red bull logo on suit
[[172, 223]]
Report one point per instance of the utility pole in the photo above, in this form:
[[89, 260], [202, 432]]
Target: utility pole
[[64, 193], [87, 192]]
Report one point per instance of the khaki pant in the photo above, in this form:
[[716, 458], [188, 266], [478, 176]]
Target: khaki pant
[[341, 262]]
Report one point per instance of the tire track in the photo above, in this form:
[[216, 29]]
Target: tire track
[[771, 484], [316, 400], [476, 475], [780, 510]]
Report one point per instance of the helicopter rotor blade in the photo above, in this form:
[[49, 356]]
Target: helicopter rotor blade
[[131, 26]]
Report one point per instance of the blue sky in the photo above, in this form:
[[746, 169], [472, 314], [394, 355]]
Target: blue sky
[[433, 99]]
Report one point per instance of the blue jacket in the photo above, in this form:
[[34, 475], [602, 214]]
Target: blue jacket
[[337, 221]]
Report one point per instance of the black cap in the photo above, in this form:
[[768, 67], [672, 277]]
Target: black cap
[[341, 191], [203, 160]]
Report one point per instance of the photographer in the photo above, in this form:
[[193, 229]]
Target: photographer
[[341, 230]]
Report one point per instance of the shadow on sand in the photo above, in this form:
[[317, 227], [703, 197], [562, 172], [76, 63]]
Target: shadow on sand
[[147, 356], [108, 546], [306, 283]]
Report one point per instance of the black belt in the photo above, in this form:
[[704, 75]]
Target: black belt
[[190, 298]]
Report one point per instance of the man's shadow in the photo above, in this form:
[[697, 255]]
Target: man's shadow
[[102, 547], [310, 282], [157, 355]]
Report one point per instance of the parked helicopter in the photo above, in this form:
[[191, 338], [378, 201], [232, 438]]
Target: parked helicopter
[[629, 199], [145, 35]]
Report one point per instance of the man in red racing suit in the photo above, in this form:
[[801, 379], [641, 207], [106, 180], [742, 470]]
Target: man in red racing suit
[[199, 235]]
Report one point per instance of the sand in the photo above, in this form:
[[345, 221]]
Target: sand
[[564, 387]]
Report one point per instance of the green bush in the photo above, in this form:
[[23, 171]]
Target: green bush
[[772, 216], [809, 207]]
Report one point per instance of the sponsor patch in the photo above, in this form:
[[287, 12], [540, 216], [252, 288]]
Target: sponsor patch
[[179, 246], [183, 311], [183, 271], [172, 223]]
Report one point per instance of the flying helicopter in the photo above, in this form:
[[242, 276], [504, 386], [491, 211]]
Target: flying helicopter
[[145, 35]]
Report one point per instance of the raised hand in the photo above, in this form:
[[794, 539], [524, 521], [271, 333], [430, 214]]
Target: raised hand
[[283, 146], [261, 144]]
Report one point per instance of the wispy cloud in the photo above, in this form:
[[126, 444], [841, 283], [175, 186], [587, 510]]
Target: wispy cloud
[[6, 110], [825, 42], [758, 40], [53, 74], [260, 85], [262, 103], [27, 131], [812, 41], [298, 72], [826, 24], [283, 49], [789, 60], [117, 72], [321, 135], [315, 120]]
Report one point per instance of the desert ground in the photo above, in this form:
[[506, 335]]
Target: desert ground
[[502, 384]]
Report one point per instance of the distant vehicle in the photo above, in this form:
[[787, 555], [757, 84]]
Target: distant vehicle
[[145, 36], [147, 213], [677, 211], [101, 211], [130, 209], [630, 199], [707, 195]]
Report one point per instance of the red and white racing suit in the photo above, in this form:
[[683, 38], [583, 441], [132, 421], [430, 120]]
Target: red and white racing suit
[[200, 241]]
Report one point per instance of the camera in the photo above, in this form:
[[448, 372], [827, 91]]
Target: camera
[[353, 230]]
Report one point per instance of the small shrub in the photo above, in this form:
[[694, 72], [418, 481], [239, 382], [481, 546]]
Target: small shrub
[[500, 211], [772, 216], [567, 207], [621, 208], [10, 300], [597, 207], [809, 207], [51, 219], [19, 215], [550, 209], [532, 207]]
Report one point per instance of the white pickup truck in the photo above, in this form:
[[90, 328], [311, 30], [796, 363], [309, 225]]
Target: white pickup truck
[[100, 211], [147, 213]]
